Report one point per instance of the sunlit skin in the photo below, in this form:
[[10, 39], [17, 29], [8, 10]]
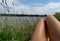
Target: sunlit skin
[[53, 30], [53, 26], [39, 33]]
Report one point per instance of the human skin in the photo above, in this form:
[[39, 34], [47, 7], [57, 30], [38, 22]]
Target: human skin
[[39, 33], [53, 26]]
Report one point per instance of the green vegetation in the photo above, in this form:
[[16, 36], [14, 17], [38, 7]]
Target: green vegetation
[[57, 15], [18, 28], [14, 28], [22, 15]]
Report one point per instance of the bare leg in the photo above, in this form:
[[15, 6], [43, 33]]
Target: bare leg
[[39, 33], [53, 28]]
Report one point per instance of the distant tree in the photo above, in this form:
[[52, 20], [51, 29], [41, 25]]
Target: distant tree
[[57, 15]]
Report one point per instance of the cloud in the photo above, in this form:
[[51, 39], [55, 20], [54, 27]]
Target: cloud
[[49, 8], [38, 4]]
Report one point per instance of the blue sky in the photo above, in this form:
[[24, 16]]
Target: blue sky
[[32, 2], [38, 1], [33, 6]]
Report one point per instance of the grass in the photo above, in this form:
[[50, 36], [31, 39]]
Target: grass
[[18, 28], [14, 28]]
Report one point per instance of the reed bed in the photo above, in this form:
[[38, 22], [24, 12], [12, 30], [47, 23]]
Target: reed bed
[[17, 28]]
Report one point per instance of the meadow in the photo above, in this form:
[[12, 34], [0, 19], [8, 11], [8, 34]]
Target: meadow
[[17, 28]]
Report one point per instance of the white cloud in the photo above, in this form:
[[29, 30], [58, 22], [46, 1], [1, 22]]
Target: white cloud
[[49, 8], [39, 4]]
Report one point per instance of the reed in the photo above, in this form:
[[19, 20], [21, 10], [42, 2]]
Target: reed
[[16, 28]]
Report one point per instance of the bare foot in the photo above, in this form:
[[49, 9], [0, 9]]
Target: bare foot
[[39, 33], [53, 28]]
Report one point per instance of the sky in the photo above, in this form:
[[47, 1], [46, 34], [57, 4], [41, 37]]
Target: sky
[[40, 7]]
